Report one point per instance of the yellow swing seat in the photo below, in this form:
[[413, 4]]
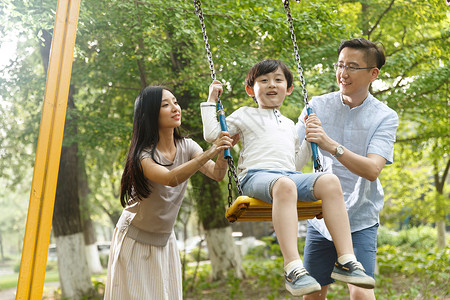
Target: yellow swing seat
[[247, 209]]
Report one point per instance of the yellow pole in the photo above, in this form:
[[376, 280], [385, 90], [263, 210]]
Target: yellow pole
[[48, 153]]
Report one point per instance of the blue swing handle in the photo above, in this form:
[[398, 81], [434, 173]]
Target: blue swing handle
[[223, 127], [314, 146]]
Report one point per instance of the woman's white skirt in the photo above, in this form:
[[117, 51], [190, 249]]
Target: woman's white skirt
[[140, 271]]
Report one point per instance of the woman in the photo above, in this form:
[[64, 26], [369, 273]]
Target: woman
[[144, 261]]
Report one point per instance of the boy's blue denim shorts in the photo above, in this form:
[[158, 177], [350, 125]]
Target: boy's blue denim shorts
[[320, 254], [258, 183]]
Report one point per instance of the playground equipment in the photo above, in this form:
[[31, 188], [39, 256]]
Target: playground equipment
[[48, 153], [245, 208]]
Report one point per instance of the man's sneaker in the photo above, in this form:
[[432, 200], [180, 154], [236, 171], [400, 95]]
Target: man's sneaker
[[299, 282], [353, 273]]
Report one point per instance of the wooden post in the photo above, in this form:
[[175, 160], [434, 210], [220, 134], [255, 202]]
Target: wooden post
[[48, 152]]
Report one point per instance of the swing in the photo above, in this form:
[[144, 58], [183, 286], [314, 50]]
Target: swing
[[245, 208]]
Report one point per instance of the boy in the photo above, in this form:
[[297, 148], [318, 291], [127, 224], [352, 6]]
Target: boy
[[267, 165]]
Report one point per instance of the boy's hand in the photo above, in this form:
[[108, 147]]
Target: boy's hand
[[235, 139], [215, 90]]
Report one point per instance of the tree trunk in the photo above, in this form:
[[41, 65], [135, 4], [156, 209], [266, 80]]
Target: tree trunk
[[441, 211], [1, 247], [74, 274], [223, 258], [364, 21], [223, 251], [73, 270], [92, 255], [210, 204], [441, 243]]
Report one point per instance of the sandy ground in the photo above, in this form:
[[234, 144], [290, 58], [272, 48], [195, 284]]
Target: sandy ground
[[9, 294]]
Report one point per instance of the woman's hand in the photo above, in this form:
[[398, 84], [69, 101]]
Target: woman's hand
[[224, 141], [217, 170], [215, 90]]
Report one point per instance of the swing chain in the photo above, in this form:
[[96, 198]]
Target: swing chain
[[317, 165], [199, 13], [231, 168], [232, 175], [296, 52]]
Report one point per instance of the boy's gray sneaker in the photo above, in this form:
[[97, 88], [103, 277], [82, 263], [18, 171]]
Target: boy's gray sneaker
[[353, 273], [299, 282]]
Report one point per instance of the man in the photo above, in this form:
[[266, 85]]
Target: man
[[355, 134]]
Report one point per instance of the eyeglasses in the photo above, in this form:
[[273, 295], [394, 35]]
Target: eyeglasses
[[349, 69]]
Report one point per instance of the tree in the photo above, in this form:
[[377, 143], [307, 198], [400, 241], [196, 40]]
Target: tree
[[67, 226], [74, 275]]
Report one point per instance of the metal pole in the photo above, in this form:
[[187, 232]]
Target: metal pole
[[48, 153]]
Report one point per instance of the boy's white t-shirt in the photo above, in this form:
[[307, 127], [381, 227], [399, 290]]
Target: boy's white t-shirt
[[269, 139]]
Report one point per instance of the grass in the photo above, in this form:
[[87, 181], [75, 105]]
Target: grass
[[409, 268], [9, 281]]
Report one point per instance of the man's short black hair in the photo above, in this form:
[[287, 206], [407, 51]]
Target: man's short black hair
[[374, 52]]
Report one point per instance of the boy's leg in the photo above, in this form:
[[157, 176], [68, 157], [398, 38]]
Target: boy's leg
[[347, 268], [319, 257], [328, 189], [285, 218], [285, 223], [274, 187]]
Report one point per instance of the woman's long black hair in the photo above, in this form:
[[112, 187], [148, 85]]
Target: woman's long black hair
[[134, 185]]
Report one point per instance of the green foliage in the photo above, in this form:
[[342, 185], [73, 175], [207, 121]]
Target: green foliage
[[267, 273], [270, 249], [411, 189], [234, 286], [404, 273], [195, 256], [16, 268], [428, 268], [421, 237], [8, 281], [104, 260], [409, 267], [160, 42], [51, 266]]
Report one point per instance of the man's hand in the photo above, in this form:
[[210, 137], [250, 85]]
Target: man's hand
[[314, 133]]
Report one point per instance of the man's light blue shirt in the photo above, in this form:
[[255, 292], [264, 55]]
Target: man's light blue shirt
[[367, 128]]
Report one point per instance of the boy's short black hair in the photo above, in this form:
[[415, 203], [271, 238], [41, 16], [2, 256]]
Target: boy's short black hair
[[268, 66], [374, 52]]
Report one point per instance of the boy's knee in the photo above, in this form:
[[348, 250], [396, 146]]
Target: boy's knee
[[284, 186], [329, 180], [327, 184]]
